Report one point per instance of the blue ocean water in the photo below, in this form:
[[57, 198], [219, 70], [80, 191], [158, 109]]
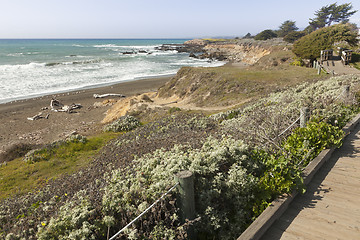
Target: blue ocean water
[[35, 67]]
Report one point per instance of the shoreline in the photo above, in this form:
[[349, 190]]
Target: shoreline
[[16, 128], [81, 89]]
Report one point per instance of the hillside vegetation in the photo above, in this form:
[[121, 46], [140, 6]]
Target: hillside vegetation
[[224, 124], [238, 161], [228, 85]]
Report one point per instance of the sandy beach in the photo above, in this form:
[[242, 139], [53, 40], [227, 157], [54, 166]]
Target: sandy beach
[[16, 128]]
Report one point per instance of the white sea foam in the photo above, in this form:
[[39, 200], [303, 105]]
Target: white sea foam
[[125, 46], [77, 45], [14, 54], [15, 68], [45, 74], [106, 46]]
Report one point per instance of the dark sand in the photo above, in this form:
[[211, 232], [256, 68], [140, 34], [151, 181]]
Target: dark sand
[[16, 128]]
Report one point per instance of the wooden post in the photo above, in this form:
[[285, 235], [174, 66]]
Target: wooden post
[[319, 69], [186, 200], [346, 92], [304, 116]]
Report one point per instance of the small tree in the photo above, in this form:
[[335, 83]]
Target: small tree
[[329, 14], [286, 28], [309, 46], [266, 34], [248, 35]]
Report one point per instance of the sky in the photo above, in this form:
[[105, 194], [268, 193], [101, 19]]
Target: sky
[[153, 18]]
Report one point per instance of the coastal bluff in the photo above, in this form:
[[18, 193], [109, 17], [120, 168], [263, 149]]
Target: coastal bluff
[[247, 51]]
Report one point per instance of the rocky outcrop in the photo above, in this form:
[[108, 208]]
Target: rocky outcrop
[[189, 48], [247, 51], [199, 42]]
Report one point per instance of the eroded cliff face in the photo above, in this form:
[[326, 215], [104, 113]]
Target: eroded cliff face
[[247, 51]]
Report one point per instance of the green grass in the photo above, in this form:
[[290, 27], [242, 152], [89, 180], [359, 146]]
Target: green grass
[[20, 177], [216, 39]]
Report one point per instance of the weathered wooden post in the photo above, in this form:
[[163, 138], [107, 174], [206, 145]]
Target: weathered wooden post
[[304, 116], [346, 92], [319, 69], [186, 200]]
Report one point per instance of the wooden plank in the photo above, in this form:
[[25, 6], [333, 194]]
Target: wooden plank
[[342, 214], [292, 220], [320, 227]]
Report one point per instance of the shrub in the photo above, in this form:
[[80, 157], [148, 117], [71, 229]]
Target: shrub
[[309, 46], [283, 169], [306, 143], [37, 155], [125, 123], [73, 221], [293, 36], [224, 181], [265, 35], [298, 62], [174, 109]]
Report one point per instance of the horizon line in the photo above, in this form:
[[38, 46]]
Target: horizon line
[[60, 38]]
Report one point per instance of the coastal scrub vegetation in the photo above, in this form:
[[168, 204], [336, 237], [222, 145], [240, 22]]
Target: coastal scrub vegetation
[[265, 35], [309, 46], [240, 158], [325, 17]]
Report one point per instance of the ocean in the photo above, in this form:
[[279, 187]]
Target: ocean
[[36, 67]]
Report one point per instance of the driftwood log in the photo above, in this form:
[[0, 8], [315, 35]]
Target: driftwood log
[[108, 95], [38, 116]]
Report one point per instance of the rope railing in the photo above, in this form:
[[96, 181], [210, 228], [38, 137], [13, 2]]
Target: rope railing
[[346, 90], [289, 126], [145, 211]]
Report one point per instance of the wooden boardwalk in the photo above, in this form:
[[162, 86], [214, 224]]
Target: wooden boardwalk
[[339, 68], [330, 209]]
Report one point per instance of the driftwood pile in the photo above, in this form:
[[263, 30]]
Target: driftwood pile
[[56, 106]]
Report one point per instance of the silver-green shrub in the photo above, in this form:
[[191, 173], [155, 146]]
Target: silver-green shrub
[[263, 121], [125, 123], [72, 221], [223, 185]]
